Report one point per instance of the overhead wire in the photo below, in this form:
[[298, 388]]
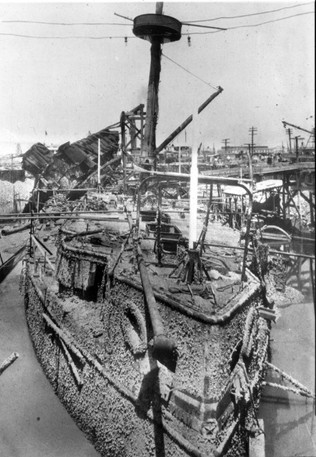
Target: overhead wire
[[68, 37], [271, 21], [130, 19], [71, 24], [247, 15], [251, 25], [132, 36], [63, 23]]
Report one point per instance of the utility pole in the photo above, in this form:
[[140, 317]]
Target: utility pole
[[225, 141], [296, 147], [12, 181], [249, 148], [18, 150], [289, 131], [253, 132]]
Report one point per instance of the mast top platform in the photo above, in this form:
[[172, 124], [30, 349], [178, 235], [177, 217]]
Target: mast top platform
[[157, 26]]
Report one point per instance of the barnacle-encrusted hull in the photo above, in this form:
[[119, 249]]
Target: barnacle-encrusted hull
[[127, 402]]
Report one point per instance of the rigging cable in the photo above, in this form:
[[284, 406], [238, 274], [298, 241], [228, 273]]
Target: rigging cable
[[188, 71]]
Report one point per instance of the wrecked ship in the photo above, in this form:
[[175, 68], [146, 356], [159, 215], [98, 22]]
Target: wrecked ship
[[156, 347], [147, 352]]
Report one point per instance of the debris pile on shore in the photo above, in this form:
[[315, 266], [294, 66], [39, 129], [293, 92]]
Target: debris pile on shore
[[10, 192]]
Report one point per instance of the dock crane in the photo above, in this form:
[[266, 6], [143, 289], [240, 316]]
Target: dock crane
[[311, 132]]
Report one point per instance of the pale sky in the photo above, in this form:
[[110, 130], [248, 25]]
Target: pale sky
[[69, 86]]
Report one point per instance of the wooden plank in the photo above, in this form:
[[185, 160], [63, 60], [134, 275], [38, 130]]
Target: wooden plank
[[8, 361], [257, 443], [72, 364]]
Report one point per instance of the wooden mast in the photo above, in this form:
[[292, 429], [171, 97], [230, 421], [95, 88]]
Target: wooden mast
[[157, 29], [152, 94]]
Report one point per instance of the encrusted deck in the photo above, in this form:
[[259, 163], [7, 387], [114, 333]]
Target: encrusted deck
[[91, 329]]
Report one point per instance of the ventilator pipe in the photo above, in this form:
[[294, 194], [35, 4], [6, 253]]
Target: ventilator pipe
[[5, 232], [164, 349]]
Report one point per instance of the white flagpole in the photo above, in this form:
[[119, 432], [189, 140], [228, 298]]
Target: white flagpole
[[194, 184], [99, 156]]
